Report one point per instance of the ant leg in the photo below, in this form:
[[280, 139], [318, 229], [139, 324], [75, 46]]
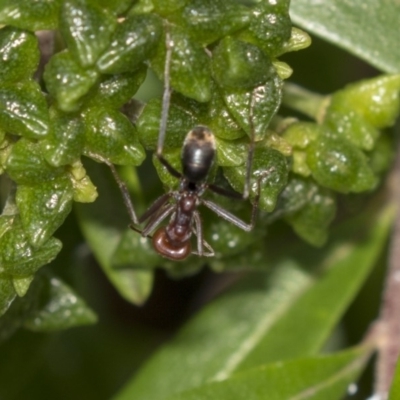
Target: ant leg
[[122, 187], [165, 106], [157, 218], [201, 243], [157, 205], [233, 219]]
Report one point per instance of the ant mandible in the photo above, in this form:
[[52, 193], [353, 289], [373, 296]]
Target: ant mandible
[[173, 241]]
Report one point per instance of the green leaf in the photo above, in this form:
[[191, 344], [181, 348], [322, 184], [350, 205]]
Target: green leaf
[[395, 388], [220, 120], [312, 221], [133, 42], [288, 313], [60, 308], [102, 224], [44, 207], [266, 100], [110, 134], [376, 100], [18, 258], [270, 26], [23, 109], [190, 65], [116, 90], [27, 165], [209, 20], [366, 28], [64, 143], [7, 293], [317, 378], [339, 165], [67, 81], [180, 122], [30, 15], [240, 65], [19, 54], [271, 166], [86, 29]]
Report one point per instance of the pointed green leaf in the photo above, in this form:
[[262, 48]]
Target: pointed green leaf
[[64, 143], [86, 29], [190, 65], [339, 165], [133, 42], [18, 258], [289, 313], [60, 308], [67, 81], [27, 165], [180, 122], [240, 65], [318, 378], [116, 90], [30, 15], [44, 207], [103, 229], [366, 28], [19, 54], [7, 293], [266, 100], [21, 285], [110, 134], [23, 110], [209, 20], [269, 164]]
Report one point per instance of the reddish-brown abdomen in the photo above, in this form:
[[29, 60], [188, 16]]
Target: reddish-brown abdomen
[[166, 249]]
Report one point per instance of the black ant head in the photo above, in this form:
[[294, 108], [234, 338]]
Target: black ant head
[[198, 154]]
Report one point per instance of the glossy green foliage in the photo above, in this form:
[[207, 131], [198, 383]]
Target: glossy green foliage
[[43, 208], [338, 165], [270, 168], [43, 307], [67, 81], [180, 122], [270, 26], [23, 109], [64, 143], [116, 90], [30, 15], [264, 99], [209, 20], [18, 257], [240, 65], [110, 134], [190, 72], [19, 54], [134, 41], [231, 336], [26, 164], [59, 300], [86, 29], [340, 23]]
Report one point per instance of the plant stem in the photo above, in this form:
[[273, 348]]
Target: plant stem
[[388, 325], [308, 103]]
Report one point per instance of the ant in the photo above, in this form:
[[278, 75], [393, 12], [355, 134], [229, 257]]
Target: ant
[[173, 241]]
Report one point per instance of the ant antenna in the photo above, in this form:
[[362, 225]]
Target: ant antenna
[[250, 157], [167, 92]]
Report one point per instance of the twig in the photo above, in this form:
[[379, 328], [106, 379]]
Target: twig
[[388, 325]]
